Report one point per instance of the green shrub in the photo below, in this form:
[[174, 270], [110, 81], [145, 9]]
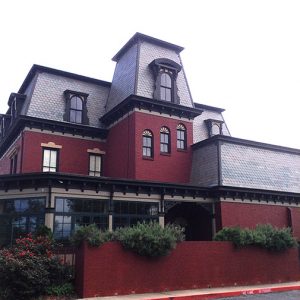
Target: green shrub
[[64, 289], [264, 236], [29, 267], [150, 239], [89, 233]]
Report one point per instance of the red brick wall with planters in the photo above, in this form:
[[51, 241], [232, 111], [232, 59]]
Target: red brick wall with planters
[[169, 168], [249, 215], [110, 270], [73, 157]]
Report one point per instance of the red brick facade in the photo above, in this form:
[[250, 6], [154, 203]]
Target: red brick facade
[[73, 156], [249, 215]]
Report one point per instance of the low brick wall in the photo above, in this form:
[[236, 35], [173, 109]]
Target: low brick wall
[[110, 270]]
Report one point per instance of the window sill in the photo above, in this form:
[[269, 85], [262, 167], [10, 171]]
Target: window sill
[[165, 154], [147, 158], [182, 150]]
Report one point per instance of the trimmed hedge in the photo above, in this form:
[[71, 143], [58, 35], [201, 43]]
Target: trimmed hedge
[[146, 239], [264, 236]]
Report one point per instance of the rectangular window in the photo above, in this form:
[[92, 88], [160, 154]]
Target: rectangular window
[[164, 143], [127, 213], [95, 165], [19, 217], [50, 159], [13, 164], [70, 213]]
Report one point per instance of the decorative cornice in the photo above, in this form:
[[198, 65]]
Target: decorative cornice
[[259, 195], [55, 126], [208, 107], [159, 106], [81, 182], [97, 184]]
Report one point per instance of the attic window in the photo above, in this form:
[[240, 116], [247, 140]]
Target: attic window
[[76, 109], [214, 127], [165, 73]]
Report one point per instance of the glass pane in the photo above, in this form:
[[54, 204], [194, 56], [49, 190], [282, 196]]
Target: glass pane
[[92, 162], [168, 81], [53, 156], [46, 157], [78, 103], [162, 93], [78, 117], [72, 115], [168, 95], [59, 205], [74, 102], [163, 79], [98, 163]]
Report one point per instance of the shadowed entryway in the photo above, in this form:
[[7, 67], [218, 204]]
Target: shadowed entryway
[[196, 218]]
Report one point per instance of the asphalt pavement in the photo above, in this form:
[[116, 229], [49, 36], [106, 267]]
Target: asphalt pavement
[[292, 295]]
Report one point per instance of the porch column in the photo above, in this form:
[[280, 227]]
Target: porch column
[[49, 209], [110, 209], [213, 220], [161, 219], [161, 213]]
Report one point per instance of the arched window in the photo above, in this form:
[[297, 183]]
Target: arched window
[[165, 87], [165, 140], [181, 137], [147, 143], [165, 72], [76, 110]]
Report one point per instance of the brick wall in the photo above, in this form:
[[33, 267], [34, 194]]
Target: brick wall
[[5, 159], [109, 270], [295, 221], [249, 215], [174, 167], [73, 157], [120, 157]]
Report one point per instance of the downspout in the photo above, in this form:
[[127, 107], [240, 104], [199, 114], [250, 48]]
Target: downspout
[[22, 149]]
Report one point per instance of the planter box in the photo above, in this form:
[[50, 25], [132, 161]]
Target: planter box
[[110, 270]]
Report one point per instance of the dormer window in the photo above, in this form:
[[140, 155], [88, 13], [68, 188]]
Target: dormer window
[[165, 86], [76, 109], [165, 72], [214, 127]]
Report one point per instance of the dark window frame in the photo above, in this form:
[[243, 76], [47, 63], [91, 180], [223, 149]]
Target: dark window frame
[[68, 98], [165, 145], [14, 163], [56, 163], [13, 220], [94, 172], [74, 216], [162, 66], [126, 214], [181, 129], [147, 136]]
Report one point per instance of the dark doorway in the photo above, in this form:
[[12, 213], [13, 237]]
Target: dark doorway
[[194, 217]]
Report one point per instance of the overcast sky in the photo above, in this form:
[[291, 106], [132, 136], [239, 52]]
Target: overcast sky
[[243, 56]]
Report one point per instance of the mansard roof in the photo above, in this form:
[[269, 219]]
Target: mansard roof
[[38, 68], [139, 36]]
